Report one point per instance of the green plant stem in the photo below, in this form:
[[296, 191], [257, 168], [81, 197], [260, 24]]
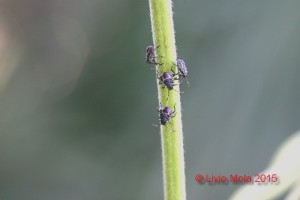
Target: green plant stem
[[171, 134]]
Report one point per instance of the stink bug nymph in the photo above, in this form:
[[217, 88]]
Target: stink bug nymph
[[182, 69], [166, 79], [150, 57], [165, 114]]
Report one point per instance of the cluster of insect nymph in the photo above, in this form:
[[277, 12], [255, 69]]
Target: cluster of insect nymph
[[166, 79]]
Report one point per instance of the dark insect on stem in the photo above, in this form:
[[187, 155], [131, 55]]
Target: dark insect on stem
[[166, 79], [150, 56], [165, 114], [182, 69]]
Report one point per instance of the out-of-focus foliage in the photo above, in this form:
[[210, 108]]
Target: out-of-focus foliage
[[283, 170], [77, 101]]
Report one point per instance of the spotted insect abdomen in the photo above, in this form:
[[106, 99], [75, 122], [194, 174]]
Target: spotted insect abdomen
[[182, 67]]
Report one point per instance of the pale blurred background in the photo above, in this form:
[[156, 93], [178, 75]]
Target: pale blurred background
[[77, 100]]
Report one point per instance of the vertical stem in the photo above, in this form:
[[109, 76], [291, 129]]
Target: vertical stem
[[171, 134]]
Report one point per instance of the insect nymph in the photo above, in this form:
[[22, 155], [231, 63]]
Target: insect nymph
[[182, 69], [165, 114], [166, 79], [150, 57]]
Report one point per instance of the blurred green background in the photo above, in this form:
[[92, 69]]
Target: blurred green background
[[77, 100]]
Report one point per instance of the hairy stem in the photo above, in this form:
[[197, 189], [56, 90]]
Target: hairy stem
[[171, 134]]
